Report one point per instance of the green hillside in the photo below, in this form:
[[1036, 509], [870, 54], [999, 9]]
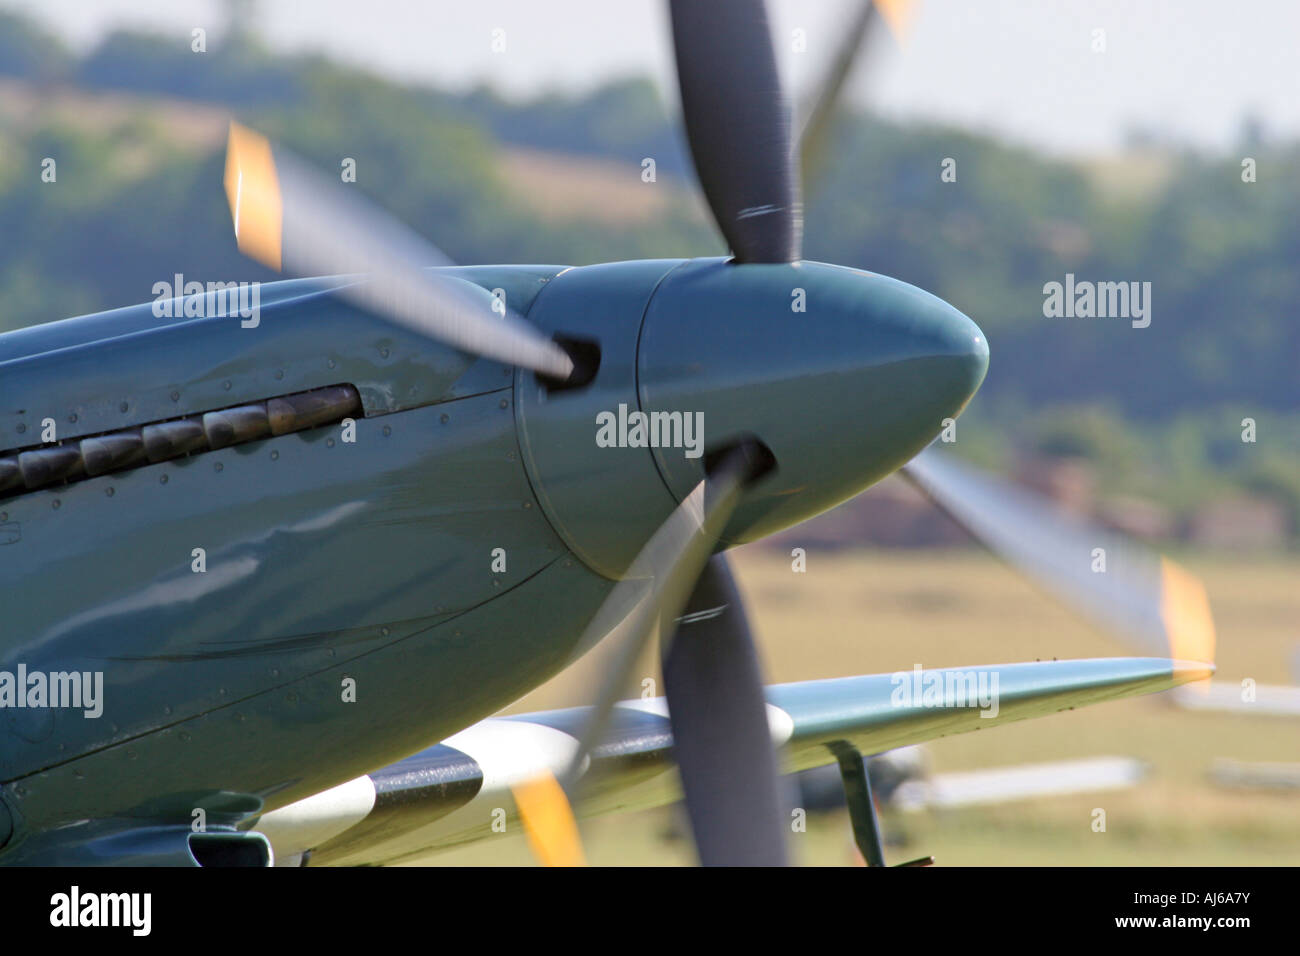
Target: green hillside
[[136, 127]]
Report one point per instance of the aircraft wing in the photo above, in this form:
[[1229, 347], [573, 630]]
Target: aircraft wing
[[459, 790]]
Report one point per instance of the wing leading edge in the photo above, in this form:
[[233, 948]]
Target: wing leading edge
[[460, 790]]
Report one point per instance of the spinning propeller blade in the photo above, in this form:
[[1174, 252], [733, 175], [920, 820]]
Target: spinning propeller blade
[[815, 132], [291, 219], [1141, 594], [721, 740], [663, 577], [738, 125]]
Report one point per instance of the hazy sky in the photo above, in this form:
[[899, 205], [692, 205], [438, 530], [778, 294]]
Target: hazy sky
[[1022, 67]]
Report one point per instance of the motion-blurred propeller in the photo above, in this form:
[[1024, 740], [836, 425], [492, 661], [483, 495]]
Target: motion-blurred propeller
[[291, 219], [721, 740], [1136, 592], [738, 126], [814, 135], [668, 571], [1141, 594]]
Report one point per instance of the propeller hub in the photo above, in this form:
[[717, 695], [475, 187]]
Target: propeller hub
[[843, 374]]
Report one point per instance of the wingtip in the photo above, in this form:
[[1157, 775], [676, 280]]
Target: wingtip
[[1187, 672]]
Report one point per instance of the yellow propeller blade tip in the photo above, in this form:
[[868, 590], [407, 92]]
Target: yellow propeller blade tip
[[548, 821], [253, 192], [1185, 611], [898, 15]]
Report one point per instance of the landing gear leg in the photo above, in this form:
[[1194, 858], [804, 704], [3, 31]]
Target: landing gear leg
[[862, 809]]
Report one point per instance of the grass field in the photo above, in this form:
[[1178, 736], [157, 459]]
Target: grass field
[[865, 612]]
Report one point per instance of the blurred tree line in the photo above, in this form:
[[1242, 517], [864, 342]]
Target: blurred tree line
[[1158, 409]]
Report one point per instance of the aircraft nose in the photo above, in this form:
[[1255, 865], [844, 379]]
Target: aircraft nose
[[844, 375], [952, 357]]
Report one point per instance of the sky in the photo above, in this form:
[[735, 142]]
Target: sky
[[1026, 69]]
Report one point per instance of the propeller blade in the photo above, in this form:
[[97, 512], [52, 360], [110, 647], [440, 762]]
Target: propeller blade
[[898, 15], [671, 561], [1141, 594], [738, 125], [816, 128], [548, 822], [657, 584], [815, 132], [291, 219], [721, 741]]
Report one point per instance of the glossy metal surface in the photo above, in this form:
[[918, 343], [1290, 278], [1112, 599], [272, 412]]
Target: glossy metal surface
[[843, 393], [604, 502], [443, 796], [126, 367], [324, 560], [327, 562]]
